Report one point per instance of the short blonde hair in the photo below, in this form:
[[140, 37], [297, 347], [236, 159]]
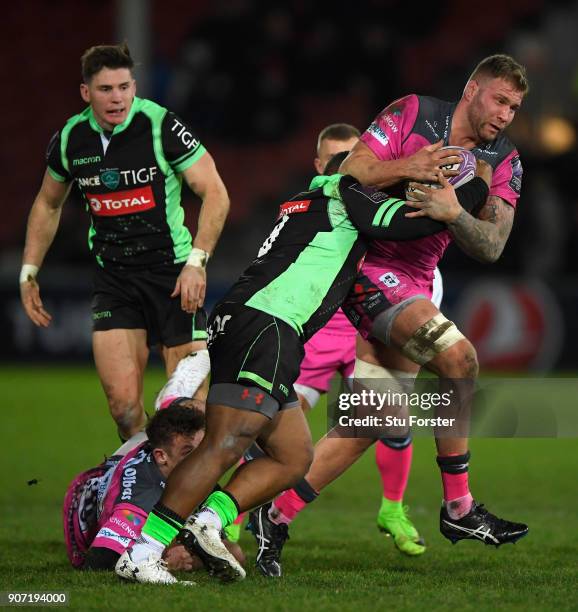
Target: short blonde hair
[[501, 66]]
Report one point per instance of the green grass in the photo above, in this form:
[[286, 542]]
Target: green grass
[[55, 423]]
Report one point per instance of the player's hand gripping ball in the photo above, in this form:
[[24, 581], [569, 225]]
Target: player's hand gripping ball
[[466, 170]]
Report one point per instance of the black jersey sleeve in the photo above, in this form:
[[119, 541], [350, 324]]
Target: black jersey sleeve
[[180, 146], [54, 160], [377, 215]]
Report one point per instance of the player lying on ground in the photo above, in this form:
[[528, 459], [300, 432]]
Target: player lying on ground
[[302, 274], [106, 507]]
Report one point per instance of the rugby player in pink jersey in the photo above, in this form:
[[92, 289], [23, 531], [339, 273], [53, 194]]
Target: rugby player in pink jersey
[[105, 507], [401, 328]]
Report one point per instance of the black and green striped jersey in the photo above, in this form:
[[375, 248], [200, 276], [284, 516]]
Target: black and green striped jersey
[[131, 182], [309, 262]]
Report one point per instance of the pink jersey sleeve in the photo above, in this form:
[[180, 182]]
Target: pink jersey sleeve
[[507, 179], [122, 527], [386, 135]]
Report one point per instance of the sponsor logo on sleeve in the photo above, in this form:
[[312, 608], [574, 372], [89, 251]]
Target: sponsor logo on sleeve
[[378, 134], [118, 203], [112, 535], [289, 208], [184, 135], [125, 527], [371, 193], [516, 180], [132, 517]]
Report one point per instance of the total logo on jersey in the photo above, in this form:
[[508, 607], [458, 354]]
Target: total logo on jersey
[[119, 203], [113, 177], [288, 208]]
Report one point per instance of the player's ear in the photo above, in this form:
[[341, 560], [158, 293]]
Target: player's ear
[[84, 93], [470, 90], [160, 456], [318, 165]]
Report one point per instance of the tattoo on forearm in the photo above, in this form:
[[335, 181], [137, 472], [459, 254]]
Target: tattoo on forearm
[[484, 238]]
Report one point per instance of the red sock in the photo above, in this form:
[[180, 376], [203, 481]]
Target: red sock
[[394, 466], [286, 507]]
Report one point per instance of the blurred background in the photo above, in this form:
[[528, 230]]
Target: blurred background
[[257, 80]]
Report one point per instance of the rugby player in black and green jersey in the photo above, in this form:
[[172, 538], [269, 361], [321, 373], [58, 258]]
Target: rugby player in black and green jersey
[[128, 157], [302, 274]]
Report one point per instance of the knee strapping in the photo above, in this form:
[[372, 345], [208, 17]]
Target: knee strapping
[[384, 379], [381, 327], [433, 337]]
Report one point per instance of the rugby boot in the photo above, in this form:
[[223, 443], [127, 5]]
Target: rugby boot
[[480, 524], [270, 539], [205, 541], [393, 520]]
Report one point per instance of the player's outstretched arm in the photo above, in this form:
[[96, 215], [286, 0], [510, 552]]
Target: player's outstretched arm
[[380, 217], [42, 225], [363, 164], [204, 180]]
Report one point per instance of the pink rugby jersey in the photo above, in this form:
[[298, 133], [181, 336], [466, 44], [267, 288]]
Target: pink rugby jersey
[[404, 127]]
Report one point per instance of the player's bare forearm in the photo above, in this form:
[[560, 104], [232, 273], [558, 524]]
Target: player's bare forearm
[[370, 171], [212, 218], [484, 238], [43, 220], [203, 178]]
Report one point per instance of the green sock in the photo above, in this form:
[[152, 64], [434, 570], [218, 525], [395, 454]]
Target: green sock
[[223, 505], [161, 527]]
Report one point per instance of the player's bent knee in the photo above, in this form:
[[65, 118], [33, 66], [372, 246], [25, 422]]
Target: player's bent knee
[[435, 336], [125, 409], [459, 361]]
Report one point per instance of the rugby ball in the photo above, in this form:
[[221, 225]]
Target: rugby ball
[[466, 171]]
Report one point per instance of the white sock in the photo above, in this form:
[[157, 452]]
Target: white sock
[[209, 517], [144, 547]]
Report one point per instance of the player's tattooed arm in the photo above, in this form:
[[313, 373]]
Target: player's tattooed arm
[[484, 237]]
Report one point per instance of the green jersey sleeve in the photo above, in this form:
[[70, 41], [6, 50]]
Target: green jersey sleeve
[[54, 163], [180, 145]]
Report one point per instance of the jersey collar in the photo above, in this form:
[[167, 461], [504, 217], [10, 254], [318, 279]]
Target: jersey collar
[[135, 107]]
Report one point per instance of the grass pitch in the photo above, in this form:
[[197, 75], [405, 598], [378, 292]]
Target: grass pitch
[[55, 424]]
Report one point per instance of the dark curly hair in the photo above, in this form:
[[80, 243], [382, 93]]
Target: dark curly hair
[[174, 420]]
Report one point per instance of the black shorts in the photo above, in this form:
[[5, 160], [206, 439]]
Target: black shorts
[[255, 359], [141, 299]]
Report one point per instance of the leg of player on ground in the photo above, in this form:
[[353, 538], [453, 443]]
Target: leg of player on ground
[[120, 356], [229, 432]]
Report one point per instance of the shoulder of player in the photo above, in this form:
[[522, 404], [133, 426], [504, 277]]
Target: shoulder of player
[[151, 109], [431, 107], [498, 151], [74, 121]]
